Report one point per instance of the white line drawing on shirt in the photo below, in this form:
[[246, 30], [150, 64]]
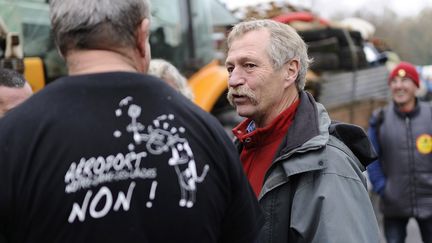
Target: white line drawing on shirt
[[188, 177], [149, 204], [160, 137]]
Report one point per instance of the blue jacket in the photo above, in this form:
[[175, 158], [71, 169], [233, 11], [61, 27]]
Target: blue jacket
[[375, 172]]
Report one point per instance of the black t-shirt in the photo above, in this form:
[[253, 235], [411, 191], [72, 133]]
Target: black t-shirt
[[120, 157]]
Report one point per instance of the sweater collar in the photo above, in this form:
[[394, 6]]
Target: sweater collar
[[409, 114], [251, 136]]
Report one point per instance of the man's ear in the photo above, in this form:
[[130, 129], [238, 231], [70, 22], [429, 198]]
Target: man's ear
[[291, 68], [143, 33]]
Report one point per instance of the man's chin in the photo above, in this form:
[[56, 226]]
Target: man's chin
[[400, 101], [244, 111]]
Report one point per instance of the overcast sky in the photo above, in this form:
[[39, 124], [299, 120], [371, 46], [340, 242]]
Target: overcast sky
[[326, 8]]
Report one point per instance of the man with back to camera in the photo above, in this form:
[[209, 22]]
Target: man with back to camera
[[309, 184], [111, 155], [14, 90], [402, 176]]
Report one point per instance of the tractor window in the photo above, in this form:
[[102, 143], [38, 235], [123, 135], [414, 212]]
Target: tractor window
[[171, 40], [166, 32], [202, 26], [31, 20], [36, 38]]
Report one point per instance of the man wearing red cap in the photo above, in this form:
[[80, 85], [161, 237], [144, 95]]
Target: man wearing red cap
[[402, 135]]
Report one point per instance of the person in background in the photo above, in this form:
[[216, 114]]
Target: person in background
[[109, 154], [307, 179], [166, 71], [401, 133], [14, 90]]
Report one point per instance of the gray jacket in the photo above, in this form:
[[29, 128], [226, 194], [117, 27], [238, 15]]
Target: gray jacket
[[407, 169], [315, 190]]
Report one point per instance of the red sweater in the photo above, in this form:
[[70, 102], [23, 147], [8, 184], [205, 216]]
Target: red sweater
[[260, 145]]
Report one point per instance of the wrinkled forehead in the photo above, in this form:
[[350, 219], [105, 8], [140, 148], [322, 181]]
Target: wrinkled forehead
[[252, 45], [240, 33]]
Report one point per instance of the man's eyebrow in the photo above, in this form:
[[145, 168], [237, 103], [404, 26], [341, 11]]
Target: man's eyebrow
[[243, 59]]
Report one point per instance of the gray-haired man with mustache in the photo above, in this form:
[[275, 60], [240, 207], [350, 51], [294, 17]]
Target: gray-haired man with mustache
[[308, 180]]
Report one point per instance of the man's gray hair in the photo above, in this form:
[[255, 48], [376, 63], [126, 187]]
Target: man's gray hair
[[11, 78], [285, 44], [96, 24], [166, 71]]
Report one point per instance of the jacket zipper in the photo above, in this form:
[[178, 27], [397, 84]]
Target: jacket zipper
[[411, 166]]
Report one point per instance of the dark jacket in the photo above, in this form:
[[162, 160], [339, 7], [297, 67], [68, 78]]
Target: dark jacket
[[403, 173], [314, 190]]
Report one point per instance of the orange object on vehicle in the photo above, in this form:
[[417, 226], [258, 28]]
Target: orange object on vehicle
[[300, 16]]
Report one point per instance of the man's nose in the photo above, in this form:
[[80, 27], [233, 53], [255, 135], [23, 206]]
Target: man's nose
[[236, 78]]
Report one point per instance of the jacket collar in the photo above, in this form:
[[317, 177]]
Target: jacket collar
[[305, 125], [409, 114], [309, 128], [309, 131]]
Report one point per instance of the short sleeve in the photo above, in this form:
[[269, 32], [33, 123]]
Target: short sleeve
[[243, 219]]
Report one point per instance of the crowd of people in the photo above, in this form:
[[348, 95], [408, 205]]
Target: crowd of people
[[117, 152]]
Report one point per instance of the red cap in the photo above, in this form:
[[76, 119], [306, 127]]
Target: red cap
[[405, 69]]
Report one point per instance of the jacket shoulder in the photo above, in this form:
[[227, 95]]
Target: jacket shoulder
[[377, 117], [341, 161]]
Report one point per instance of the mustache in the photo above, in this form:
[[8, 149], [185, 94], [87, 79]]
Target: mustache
[[241, 91]]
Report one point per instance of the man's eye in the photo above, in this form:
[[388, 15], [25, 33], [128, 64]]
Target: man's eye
[[249, 65], [230, 69]]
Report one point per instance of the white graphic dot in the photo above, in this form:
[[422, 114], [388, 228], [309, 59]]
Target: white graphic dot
[[137, 138], [180, 147], [149, 204], [117, 134], [181, 129], [171, 116], [118, 112], [165, 125], [182, 203], [131, 147]]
